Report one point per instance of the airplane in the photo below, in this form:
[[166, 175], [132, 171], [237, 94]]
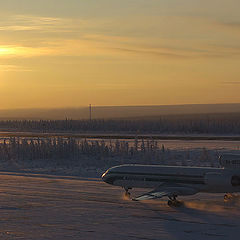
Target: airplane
[[174, 181]]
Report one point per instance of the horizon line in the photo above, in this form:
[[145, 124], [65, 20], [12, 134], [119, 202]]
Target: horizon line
[[102, 106]]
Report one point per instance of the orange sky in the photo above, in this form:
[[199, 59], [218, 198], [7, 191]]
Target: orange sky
[[60, 53]]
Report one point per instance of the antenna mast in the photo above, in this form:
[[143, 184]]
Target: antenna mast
[[90, 112]]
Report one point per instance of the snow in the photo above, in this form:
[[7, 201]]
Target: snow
[[56, 197], [42, 207]]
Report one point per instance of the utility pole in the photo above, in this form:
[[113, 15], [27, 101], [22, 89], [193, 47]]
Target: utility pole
[[90, 112]]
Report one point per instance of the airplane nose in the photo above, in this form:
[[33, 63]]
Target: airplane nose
[[107, 178], [104, 177]]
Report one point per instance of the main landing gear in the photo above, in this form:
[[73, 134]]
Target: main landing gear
[[228, 197], [127, 194], [173, 202]]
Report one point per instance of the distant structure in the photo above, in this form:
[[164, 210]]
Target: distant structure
[[90, 112]]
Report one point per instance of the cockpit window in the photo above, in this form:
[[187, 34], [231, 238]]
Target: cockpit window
[[235, 181]]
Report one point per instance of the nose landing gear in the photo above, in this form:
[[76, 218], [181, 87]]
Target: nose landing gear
[[173, 202]]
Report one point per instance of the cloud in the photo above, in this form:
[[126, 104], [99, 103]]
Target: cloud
[[99, 37], [95, 86], [149, 51], [231, 83], [124, 46], [113, 47], [14, 51], [26, 23], [227, 28], [17, 23], [14, 68], [19, 28], [235, 25], [113, 86], [226, 50]]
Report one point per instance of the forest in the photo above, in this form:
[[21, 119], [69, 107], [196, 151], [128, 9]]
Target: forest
[[90, 157], [225, 123], [83, 157]]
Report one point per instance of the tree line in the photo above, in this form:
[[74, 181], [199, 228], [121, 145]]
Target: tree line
[[180, 124], [60, 151]]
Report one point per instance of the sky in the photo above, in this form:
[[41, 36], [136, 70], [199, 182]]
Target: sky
[[70, 53]]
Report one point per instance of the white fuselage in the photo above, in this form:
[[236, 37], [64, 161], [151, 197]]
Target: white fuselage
[[203, 179]]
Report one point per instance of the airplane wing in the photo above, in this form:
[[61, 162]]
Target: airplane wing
[[169, 191]]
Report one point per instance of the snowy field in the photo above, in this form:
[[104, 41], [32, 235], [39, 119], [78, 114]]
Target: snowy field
[[43, 207], [49, 205]]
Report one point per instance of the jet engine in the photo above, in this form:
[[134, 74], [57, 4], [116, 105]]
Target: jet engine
[[218, 179]]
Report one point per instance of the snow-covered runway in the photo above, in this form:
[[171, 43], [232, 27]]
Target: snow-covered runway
[[44, 207]]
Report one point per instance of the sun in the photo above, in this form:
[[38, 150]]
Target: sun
[[7, 50]]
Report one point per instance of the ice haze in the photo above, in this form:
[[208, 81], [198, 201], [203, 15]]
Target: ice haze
[[113, 112]]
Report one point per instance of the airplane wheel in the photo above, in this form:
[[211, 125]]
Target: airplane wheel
[[178, 204], [228, 197], [170, 203], [174, 203]]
